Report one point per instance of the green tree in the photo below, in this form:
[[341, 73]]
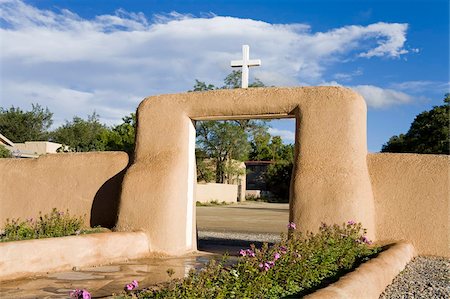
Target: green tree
[[20, 126], [122, 137], [83, 135], [4, 152], [428, 134], [223, 141]]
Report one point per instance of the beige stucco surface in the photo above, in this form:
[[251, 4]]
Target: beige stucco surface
[[412, 200], [330, 182], [31, 257], [219, 192], [370, 279], [84, 183]]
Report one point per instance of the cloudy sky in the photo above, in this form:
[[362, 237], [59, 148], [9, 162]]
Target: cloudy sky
[[80, 56]]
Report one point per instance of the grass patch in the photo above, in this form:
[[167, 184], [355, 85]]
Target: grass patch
[[54, 224], [211, 203], [296, 266]]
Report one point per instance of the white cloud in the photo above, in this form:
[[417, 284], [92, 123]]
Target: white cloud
[[378, 97], [420, 86], [286, 135], [348, 76], [109, 63]]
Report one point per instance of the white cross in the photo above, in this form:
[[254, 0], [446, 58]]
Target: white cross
[[245, 63]]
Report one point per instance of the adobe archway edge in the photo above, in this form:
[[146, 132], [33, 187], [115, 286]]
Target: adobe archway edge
[[330, 181]]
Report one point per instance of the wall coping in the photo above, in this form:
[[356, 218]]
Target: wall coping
[[26, 258], [371, 278]]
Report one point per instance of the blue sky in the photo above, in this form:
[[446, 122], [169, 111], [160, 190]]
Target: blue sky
[[77, 56]]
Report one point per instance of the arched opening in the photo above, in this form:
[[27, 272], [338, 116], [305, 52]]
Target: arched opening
[[243, 177]]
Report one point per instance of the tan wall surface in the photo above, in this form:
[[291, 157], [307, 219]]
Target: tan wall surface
[[85, 183], [412, 200], [32, 257], [214, 191], [330, 183]]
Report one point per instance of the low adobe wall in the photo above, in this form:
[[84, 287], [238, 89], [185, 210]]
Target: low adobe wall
[[412, 200], [213, 191], [84, 183], [62, 254]]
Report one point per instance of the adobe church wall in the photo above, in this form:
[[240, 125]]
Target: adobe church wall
[[84, 183], [412, 200]]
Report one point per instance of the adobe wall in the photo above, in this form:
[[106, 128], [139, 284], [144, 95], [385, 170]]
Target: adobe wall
[[218, 192], [85, 183], [412, 200], [330, 182]]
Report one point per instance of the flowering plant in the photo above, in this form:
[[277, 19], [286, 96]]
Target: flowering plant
[[132, 285], [80, 294], [297, 264]]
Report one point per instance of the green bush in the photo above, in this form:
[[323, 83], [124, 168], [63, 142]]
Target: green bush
[[55, 224], [4, 152], [294, 266]]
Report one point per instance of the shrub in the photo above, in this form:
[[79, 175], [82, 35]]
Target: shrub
[[297, 264], [55, 224], [4, 152]]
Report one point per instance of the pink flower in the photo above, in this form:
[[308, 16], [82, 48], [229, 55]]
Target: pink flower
[[131, 286], [366, 240], [80, 294], [351, 222], [245, 252], [291, 225], [266, 265], [276, 256]]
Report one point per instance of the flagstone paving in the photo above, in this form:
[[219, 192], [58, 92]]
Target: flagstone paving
[[221, 229]]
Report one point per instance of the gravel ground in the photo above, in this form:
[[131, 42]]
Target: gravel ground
[[423, 277]]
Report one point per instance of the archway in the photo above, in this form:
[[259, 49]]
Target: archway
[[330, 181]]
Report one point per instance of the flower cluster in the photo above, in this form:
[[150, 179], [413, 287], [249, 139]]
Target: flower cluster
[[247, 252], [351, 222], [364, 239], [80, 294], [291, 225], [131, 286], [266, 266]]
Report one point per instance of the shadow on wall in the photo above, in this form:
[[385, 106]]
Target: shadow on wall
[[105, 207]]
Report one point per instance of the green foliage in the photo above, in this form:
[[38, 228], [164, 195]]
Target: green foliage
[[223, 141], [278, 175], [21, 126], [201, 86], [292, 267], [278, 179], [122, 136], [210, 203], [4, 152], [428, 134], [55, 224], [83, 135]]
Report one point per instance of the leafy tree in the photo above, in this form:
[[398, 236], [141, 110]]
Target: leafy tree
[[4, 152], [278, 179], [20, 126], [223, 141], [428, 134], [122, 137], [83, 135]]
